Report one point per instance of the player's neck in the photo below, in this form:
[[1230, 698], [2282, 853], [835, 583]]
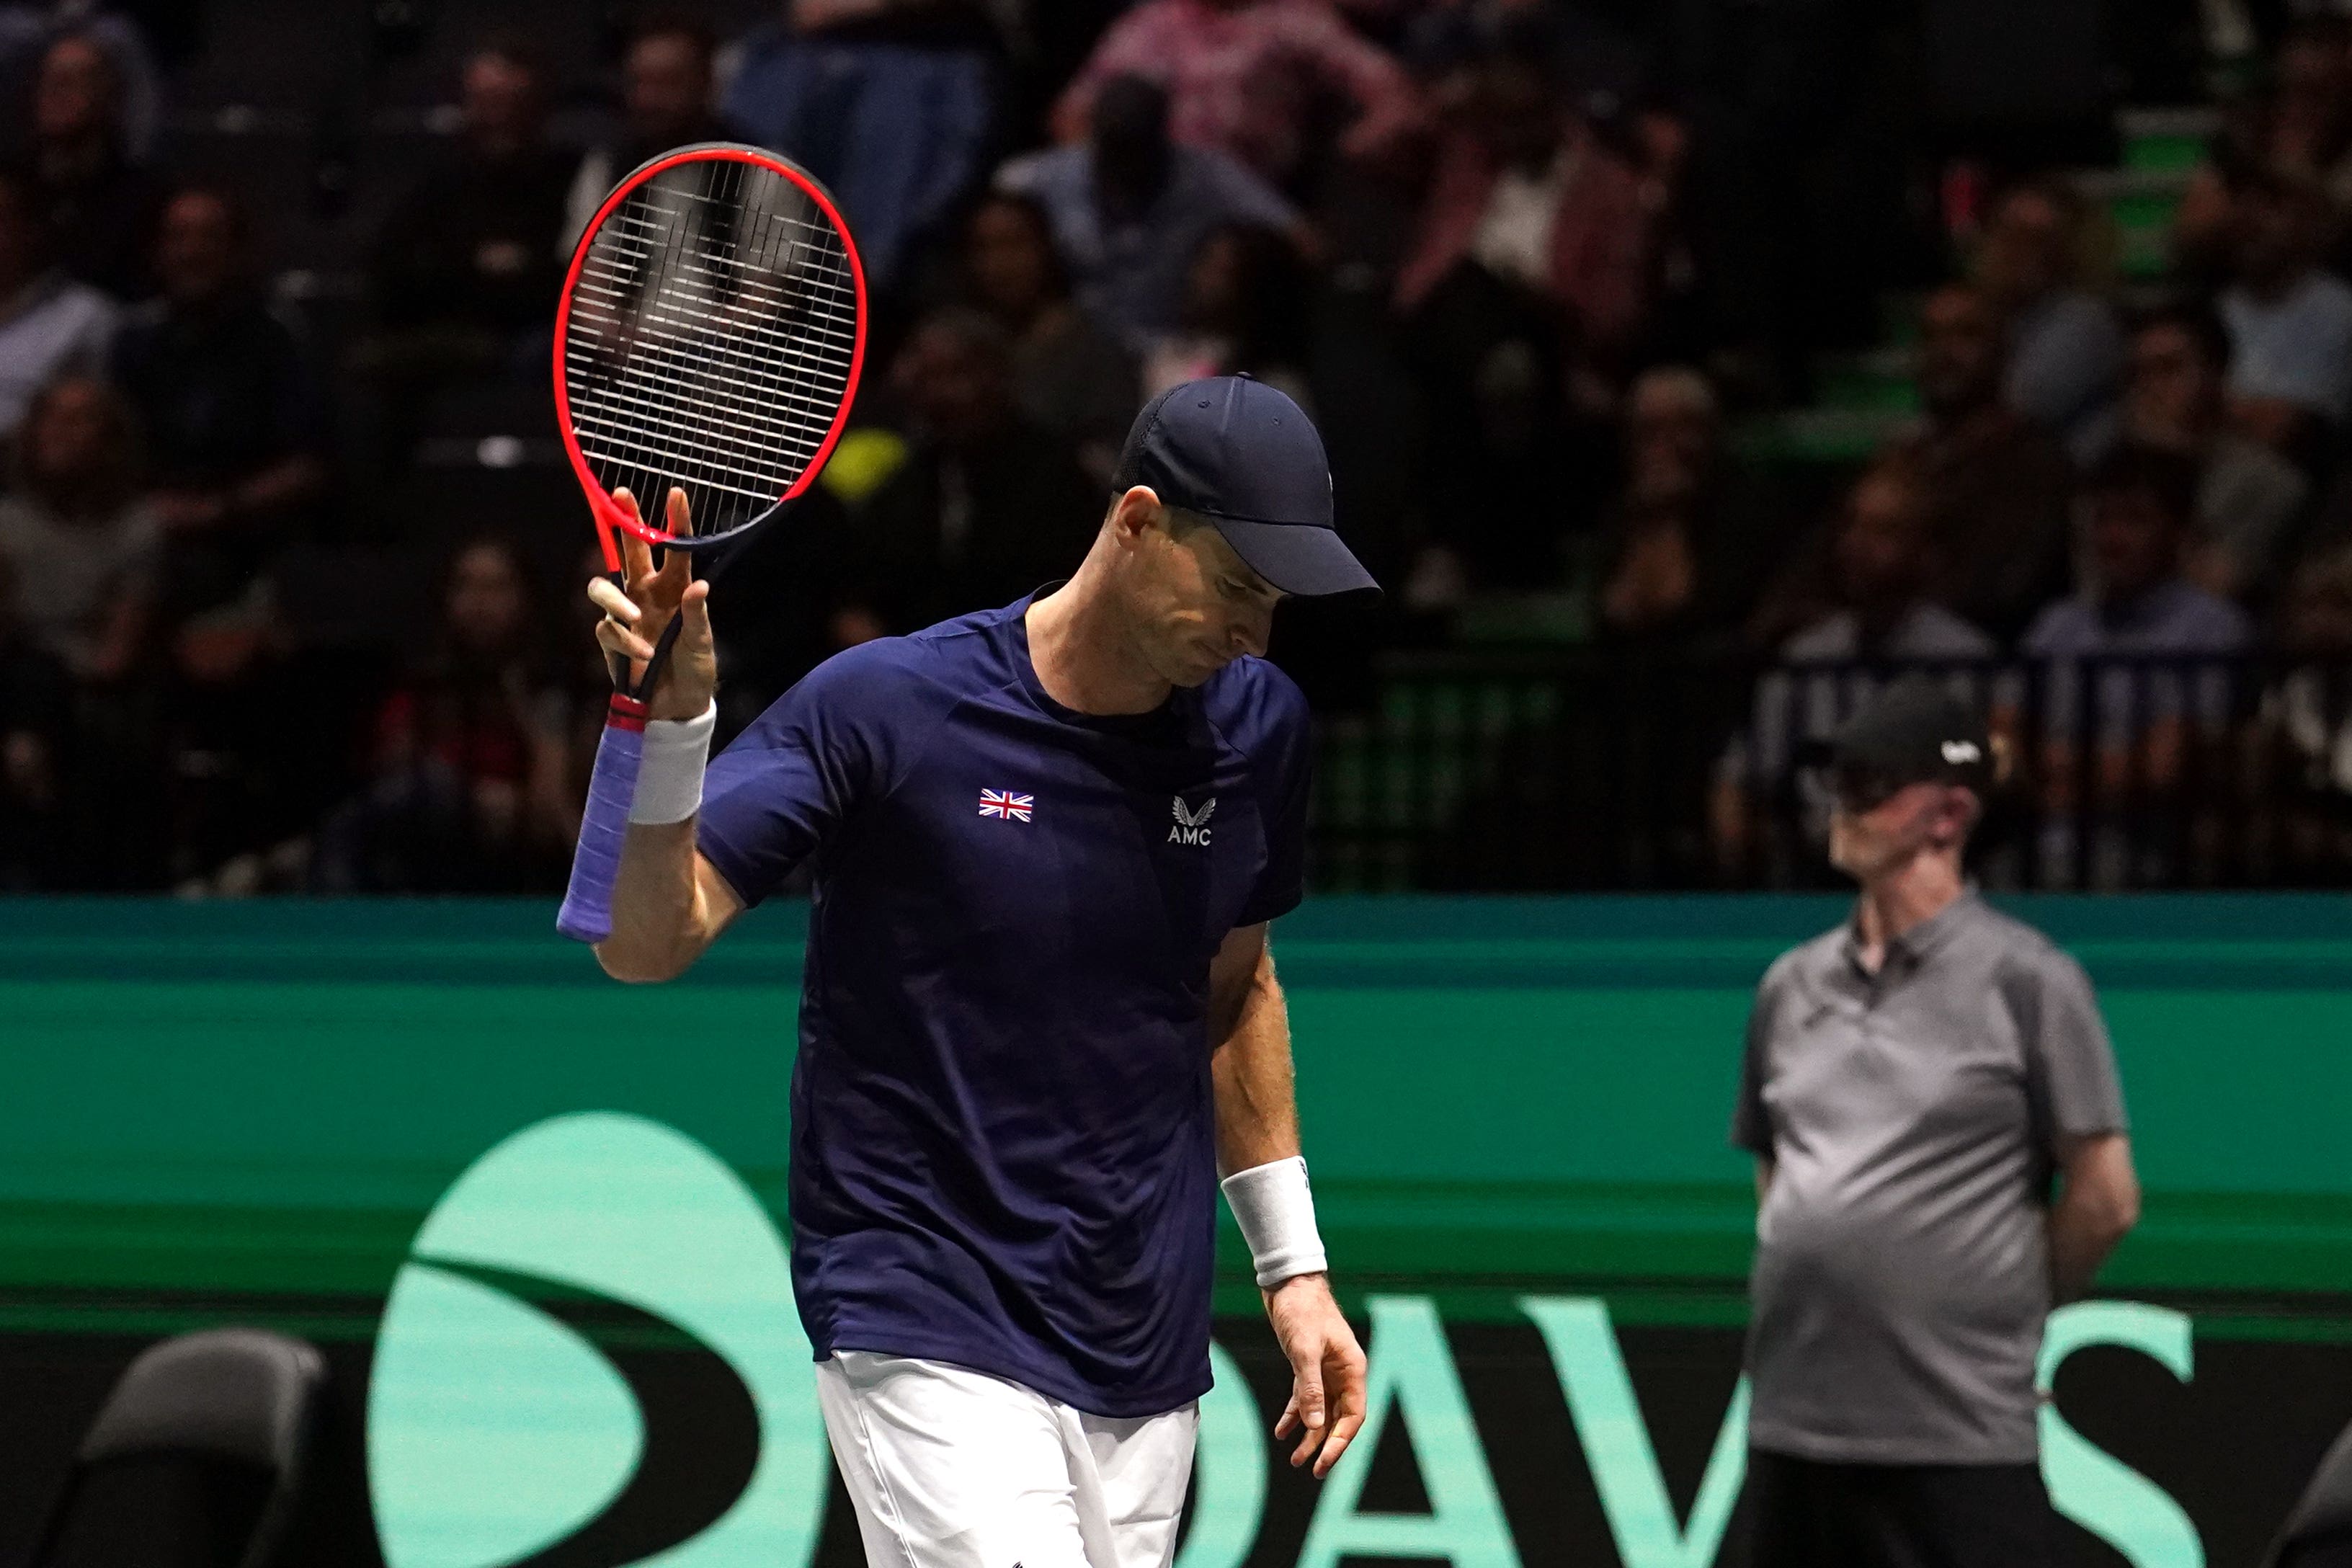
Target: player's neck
[[1083, 655]]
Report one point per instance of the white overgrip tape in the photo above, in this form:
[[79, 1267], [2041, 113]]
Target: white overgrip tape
[[1276, 1214], [669, 781]]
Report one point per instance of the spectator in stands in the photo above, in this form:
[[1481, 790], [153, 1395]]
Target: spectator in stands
[[35, 708], [1071, 378], [888, 102], [1687, 540], [665, 88], [2141, 507], [2066, 351], [982, 507], [1249, 76], [2000, 487], [1522, 292], [85, 546], [468, 764], [1245, 313], [1881, 563], [2290, 323], [2305, 729], [1130, 208], [2303, 126], [2248, 496], [49, 324], [1528, 209], [2308, 127], [100, 205], [28, 28], [2140, 722], [228, 405], [470, 256], [2316, 617]]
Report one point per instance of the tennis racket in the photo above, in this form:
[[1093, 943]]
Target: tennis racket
[[709, 339]]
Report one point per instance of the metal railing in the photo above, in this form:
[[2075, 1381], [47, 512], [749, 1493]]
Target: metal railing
[[1480, 770], [1485, 771]]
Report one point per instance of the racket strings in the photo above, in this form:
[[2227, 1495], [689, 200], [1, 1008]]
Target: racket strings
[[671, 366], [711, 338], [717, 272], [683, 395]]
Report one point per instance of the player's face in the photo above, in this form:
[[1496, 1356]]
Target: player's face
[[1198, 606]]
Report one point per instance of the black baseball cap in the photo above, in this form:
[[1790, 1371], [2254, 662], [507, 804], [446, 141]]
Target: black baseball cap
[[1247, 459], [1915, 731]]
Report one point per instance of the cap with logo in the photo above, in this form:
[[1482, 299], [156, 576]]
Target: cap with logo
[[1247, 459], [1915, 731]]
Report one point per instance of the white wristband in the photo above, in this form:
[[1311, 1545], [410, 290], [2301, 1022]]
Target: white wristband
[[669, 784], [1276, 1213]]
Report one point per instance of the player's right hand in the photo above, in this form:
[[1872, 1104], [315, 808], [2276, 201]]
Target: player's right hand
[[633, 621]]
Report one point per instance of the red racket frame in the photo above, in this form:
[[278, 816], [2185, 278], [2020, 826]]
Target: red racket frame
[[607, 512]]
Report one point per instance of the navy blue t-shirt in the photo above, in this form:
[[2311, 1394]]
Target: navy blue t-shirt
[[1002, 1147]]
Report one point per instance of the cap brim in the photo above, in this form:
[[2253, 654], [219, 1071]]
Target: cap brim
[[1300, 559]]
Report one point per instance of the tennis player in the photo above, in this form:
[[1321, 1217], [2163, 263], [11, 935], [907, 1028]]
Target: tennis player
[[1039, 1016]]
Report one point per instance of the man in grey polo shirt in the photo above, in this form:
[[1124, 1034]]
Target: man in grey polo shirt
[[1918, 1083]]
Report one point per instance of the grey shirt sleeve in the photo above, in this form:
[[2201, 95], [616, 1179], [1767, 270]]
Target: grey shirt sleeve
[[1751, 1126], [2071, 1080]]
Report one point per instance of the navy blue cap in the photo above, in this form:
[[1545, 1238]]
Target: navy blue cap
[[1247, 459]]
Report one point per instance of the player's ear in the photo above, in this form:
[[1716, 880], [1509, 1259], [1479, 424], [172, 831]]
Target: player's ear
[[1134, 512]]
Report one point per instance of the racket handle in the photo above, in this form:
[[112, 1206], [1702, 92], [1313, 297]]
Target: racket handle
[[587, 912]]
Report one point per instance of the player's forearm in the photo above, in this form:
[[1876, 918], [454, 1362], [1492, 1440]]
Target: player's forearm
[[1256, 1096], [660, 916]]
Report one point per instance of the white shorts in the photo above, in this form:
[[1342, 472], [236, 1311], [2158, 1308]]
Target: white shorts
[[954, 1469]]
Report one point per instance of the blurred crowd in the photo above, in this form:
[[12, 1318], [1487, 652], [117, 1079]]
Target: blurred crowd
[[290, 568]]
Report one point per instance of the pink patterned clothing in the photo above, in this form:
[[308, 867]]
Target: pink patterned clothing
[[1598, 251], [1244, 78]]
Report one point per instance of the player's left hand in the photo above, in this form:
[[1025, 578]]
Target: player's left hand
[[1326, 1366]]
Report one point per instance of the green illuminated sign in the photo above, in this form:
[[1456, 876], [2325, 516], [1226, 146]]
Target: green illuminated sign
[[2118, 1505], [497, 1434]]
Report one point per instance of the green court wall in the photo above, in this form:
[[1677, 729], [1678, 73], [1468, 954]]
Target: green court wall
[[1499, 1094]]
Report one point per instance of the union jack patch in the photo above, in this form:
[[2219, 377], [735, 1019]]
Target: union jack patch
[[1007, 804]]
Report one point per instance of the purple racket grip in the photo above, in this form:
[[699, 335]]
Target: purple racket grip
[[587, 912]]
